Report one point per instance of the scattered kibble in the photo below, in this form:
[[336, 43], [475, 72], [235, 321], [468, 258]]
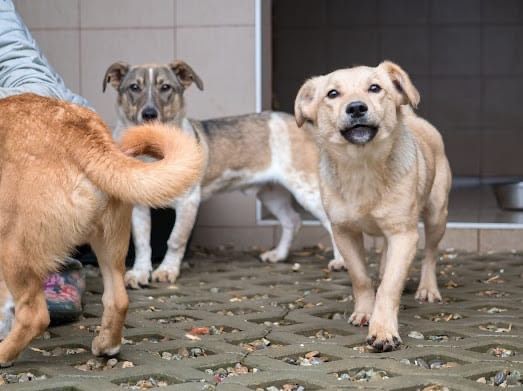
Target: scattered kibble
[[221, 374], [501, 352], [185, 353], [362, 375], [493, 293], [309, 359], [257, 344], [445, 317], [505, 378], [97, 364], [492, 310], [174, 319], [416, 335], [436, 363], [495, 328], [144, 384]]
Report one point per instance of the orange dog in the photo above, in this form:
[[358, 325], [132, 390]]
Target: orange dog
[[64, 182]]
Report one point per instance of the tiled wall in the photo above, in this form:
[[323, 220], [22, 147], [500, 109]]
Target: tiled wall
[[82, 38], [465, 56]]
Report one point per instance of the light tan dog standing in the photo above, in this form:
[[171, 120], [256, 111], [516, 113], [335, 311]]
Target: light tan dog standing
[[381, 167], [65, 182]]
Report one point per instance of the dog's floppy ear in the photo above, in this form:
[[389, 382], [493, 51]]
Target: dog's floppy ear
[[402, 83], [306, 103], [186, 74], [115, 74]]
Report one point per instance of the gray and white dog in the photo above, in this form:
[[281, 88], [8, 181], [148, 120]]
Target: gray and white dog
[[264, 152]]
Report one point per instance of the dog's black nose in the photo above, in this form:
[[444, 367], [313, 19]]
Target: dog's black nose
[[356, 109], [149, 114]]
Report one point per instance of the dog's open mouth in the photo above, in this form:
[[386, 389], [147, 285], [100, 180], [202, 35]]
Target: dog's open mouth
[[359, 134]]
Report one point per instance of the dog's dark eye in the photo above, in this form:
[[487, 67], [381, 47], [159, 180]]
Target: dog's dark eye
[[134, 87], [374, 88], [333, 94], [165, 87]]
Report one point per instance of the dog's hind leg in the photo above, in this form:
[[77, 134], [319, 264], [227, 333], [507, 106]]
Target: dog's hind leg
[[25, 286], [142, 267], [435, 221], [186, 212], [308, 196], [110, 242], [279, 202]]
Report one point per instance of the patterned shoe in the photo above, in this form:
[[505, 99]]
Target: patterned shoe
[[63, 291]]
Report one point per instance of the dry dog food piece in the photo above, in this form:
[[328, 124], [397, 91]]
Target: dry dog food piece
[[144, 384], [185, 353], [103, 365], [505, 378], [501, 352], [363, 375], [238, 369]]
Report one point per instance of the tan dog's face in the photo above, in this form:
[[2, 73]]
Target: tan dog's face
[[151, 92], [355, 105]]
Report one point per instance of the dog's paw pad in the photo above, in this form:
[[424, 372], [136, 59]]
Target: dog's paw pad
[[102, 347], [359, 319], [271, 256], [135, 279], [165, 275], [430, 295], [337, 265], [384, 344]]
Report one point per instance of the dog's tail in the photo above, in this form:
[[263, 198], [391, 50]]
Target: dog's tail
[[134, 181]]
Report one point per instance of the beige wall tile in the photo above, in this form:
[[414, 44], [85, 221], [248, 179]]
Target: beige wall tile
[[127, 13], [43, 14], [224, 59], [228, 209], [62, 49], [101, 48], [242, 238], [500, 240], [214, 12]]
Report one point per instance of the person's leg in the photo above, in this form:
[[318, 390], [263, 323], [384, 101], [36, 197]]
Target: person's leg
[[23, 67]]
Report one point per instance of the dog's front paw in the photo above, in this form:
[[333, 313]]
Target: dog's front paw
[[337, 265], [103, 346], [136, 278], [166, 274], [383, 337], [428, 294], [359, 319], [271, 256]]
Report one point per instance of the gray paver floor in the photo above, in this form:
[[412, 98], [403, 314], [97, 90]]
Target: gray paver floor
[[227, 306]]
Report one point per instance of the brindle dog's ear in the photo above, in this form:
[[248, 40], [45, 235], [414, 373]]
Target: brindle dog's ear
[[186, 74], [115, 74], [402, 83], [307, 100]]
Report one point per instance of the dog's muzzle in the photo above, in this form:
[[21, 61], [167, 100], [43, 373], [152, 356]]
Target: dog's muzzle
[[359, 134]]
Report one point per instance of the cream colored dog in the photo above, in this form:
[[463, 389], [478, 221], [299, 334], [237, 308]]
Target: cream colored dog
[[64, 182], [381, 167]]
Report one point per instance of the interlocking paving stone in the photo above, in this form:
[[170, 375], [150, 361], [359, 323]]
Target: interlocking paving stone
[[296, 312]]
